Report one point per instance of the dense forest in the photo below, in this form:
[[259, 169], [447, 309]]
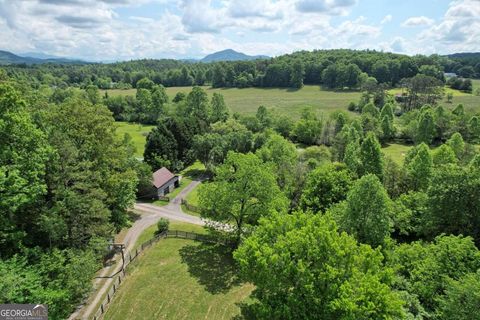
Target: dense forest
[[331, 68], [322, 222]]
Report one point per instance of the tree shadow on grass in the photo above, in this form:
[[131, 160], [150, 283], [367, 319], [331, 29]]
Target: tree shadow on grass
[[212, 265]]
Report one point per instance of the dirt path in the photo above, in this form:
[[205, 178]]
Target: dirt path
[[150, 214]]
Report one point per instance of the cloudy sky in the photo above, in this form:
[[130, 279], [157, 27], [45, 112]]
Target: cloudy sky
[[130, 29]]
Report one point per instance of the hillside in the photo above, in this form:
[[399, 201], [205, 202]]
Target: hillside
[[230, 55], [7, 58]]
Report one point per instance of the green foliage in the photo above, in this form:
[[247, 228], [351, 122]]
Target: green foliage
[[161, 148], [444, 155], [367, 214], [418, 165], [298, 72], [197, 104], [23, 159], [303, 268], [162, 225], [370, 157], [426, 127], [219, 109], [308, 129], [58, 278], [454, 202], [316, 156], [457, 144], [325, 186], [283, 154], [461, 299], [145, 83], [426, 269], [244, 189]]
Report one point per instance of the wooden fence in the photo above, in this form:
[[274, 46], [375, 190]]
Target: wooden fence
[[131, 256]]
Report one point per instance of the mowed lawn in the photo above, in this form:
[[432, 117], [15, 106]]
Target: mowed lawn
[[138, 133], [284, 100], [180, 279]]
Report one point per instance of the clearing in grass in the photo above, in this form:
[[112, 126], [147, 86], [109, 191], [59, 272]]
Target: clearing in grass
[[138, 133]]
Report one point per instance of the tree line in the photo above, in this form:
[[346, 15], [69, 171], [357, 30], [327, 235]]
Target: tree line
[[66, 183], [331, 68]]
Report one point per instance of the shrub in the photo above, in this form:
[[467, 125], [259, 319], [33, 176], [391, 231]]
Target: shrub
[[352, 106], [162, 225]]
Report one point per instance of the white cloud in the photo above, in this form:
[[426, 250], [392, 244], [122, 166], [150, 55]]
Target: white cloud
[[386, 19], [458, 31], [336, 7], [418, 21]]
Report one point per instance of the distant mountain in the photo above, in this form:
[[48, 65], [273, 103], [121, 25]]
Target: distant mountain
[[230, 55], [464, 55], [34, 58]]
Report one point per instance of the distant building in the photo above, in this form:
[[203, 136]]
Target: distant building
[[450, 74], [164, 181]]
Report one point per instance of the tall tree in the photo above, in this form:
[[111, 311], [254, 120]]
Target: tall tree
[[370, 157], [419, 165], [297, 74], [426, 127], [367, 211], [304, 268], [244, 189], [24, 152], [326, 186], [219, 108]]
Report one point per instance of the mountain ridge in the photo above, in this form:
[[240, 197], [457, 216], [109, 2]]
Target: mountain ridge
[[230, 55]]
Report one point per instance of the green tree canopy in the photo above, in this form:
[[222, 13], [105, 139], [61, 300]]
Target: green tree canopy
[[243, 190], [304, 268], [324, 186], [367, 213]]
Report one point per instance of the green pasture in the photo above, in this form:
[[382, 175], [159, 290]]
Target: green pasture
[[180, 279], [138, 133], [285, 101]]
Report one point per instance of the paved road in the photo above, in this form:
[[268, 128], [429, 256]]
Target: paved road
[[150, 214]]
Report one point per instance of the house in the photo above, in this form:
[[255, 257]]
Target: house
[[164, 181]]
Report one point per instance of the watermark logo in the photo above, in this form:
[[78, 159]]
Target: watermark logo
[[23, 312]]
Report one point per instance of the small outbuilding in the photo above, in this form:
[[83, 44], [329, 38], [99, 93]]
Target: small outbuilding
[[164, 181]]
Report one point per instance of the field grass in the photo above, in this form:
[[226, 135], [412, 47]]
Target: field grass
[[396, 151], [180, 279], [471, 102], [149, 233], [283, 100], [138, 133]]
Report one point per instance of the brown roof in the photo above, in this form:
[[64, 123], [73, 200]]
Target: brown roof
[[162, 176]]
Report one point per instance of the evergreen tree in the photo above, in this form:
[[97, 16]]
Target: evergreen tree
[[426, 127], [444, 155], [457, 144], [418, 164], [370, 157]]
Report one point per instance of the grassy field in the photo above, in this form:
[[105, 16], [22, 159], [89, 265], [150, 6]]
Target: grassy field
[[471, 102], [180, 279], [285, 101], [396, 151], [174, 225], [138, 132]]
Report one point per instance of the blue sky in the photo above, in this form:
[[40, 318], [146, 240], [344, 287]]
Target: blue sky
[[132, 29]]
